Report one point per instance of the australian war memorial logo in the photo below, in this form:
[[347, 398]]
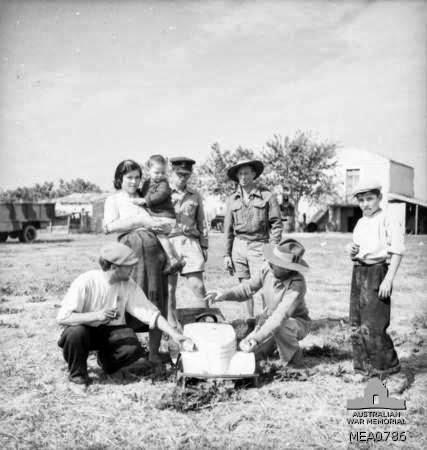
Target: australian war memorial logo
[[376, 397], [378, 413]]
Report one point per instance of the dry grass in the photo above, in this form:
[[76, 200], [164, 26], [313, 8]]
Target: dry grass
[[290, 409]]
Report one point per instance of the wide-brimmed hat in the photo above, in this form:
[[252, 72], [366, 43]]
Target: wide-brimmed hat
[[182, 164], [119, 254], [367, 185], [288, 254], [257, 165]]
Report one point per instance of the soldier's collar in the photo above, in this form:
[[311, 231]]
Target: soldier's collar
[[255, 192], [187, 189]]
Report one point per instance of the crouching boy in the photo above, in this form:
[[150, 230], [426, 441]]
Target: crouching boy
[[377, 250], [285, 319], [93, 314]]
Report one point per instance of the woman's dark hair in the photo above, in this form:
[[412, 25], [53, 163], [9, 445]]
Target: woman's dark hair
[[126, 166], [105, 265], [159, 159]]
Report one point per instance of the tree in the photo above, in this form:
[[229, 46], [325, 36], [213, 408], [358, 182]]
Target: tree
[[211, 175], [47, 190], [78, 185], [303, 164]]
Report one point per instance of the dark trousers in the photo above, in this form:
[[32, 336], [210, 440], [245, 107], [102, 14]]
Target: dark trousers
[[117, 347], [369, 319]]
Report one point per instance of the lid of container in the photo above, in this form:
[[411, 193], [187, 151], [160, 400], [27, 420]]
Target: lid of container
[[212, 337]]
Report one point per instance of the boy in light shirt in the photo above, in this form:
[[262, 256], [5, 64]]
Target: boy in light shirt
[[377, 249], [93, 315]]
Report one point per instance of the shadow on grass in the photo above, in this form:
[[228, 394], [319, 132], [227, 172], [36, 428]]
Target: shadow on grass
[[327, 351], [124, 376], [413, 365], [142, 369], [272, 369]]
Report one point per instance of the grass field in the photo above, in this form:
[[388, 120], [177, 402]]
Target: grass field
[[304, 408]]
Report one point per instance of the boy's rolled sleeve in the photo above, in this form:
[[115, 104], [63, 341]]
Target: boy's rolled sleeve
[[73, 301], [140, 307], [396, 237]]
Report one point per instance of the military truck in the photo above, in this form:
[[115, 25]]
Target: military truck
[[22, 220]]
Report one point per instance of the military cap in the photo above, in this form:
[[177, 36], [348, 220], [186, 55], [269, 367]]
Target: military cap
[[182, 164]]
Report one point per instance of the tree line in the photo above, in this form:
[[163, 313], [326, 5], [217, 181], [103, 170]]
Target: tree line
[[48, 190]]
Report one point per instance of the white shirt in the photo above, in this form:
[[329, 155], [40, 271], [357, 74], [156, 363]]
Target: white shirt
[[120, 206], [378, 237], [92, 292]]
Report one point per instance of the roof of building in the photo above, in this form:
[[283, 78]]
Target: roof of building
[[83, 198], [405, 198], [319, 215]]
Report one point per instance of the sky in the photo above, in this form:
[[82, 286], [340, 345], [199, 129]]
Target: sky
[[84, 85]]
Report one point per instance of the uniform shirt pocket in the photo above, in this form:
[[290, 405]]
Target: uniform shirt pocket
[[189, 208], [260, 212], [238, 212]]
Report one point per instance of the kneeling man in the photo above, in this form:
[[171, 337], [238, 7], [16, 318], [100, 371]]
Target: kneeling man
[[285, 319], [93, 313]]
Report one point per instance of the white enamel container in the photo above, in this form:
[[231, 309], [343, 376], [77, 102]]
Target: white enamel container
[[216, 351]]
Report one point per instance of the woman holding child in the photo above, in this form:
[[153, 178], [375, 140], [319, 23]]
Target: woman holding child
[[124, 214]]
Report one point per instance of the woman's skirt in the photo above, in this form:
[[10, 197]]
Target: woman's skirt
[[148, 272]]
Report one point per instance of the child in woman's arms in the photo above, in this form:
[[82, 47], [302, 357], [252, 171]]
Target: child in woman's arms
[[156, 199]]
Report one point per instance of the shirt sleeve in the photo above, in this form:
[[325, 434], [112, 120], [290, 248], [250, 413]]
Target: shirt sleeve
[[140, 307], [245, 289], [202, 224], [74, 300], [111, 212], [275, 220], [228, 229], [395, 232], [283, 311]]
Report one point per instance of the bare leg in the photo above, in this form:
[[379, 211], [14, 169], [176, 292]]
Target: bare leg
[[197, 285], [249, 303], [172, 319], [168, 248]]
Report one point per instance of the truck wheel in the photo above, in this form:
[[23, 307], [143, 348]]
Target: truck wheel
[[3, 237], [28, 234]]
